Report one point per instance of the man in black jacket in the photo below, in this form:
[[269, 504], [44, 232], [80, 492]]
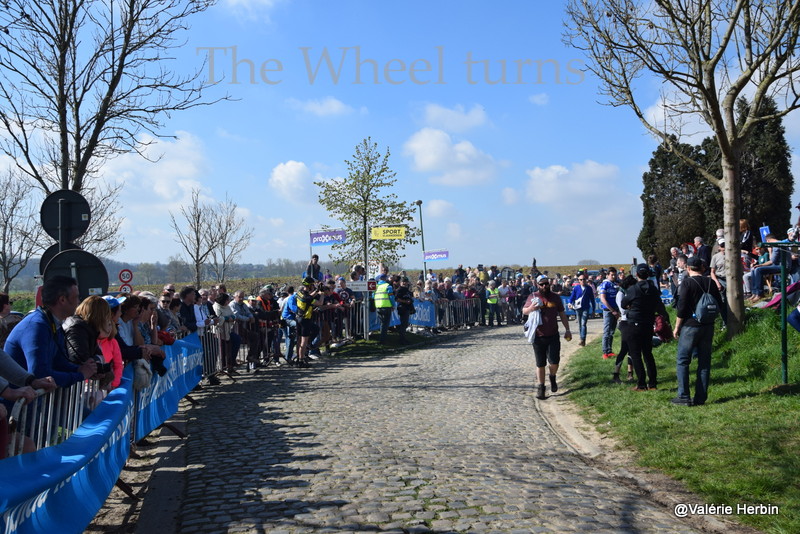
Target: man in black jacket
[[694, 338], [643, 302]]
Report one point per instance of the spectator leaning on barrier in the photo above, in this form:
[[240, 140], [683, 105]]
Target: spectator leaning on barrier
[[109, 344], [37, 343], [26, 384], [82, 334], [695, 338], [186, 312]]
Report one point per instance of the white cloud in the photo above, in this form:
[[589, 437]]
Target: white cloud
[[539, 99], [454, 120], [439, 208], [453, 231], [175, 168], [510, 195], [276, 222], [455, 163], [557, 184], [291, 180], [325, 107]]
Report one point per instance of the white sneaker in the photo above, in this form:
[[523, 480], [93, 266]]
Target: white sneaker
[[313, 357], [335, 345]]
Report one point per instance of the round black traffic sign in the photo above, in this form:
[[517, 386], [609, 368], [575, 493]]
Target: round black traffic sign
[[85, 267], [50, 253], [67, 210]]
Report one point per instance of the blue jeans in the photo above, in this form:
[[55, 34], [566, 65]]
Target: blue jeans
[[289, 333], [757, 278], [583, 318], [695, 342], [794, 319], [609, 325]]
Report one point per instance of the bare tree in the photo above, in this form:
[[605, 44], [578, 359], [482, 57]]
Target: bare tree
[[707, 53], [200, 236], [21, 235], [234, 239], [177, 269], [81, 80]]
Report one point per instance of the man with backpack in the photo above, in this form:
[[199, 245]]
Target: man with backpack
[[699, 304]]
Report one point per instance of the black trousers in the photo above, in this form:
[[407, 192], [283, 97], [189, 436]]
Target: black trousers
[[640, 344]]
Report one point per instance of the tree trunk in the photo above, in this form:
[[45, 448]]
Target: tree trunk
[[733, 263]]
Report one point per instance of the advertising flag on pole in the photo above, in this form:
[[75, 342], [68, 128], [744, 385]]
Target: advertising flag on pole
[[435, 255], [321, 238]]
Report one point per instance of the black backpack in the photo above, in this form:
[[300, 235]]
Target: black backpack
[[707, 309]]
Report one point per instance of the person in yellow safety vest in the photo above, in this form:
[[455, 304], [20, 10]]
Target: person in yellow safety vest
[[492, 300], [384, 304]]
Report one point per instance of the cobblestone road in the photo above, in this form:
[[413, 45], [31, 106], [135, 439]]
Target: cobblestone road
[[444, 438]]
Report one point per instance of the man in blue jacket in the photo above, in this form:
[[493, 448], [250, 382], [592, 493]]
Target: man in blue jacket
[[37, 343]]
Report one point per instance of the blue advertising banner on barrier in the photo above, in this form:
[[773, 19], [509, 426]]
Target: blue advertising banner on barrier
[[425, 316], [61, 488], [159, 402]]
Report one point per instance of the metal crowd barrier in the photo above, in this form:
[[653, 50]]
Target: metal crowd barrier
[[211, 353], [52, 417]]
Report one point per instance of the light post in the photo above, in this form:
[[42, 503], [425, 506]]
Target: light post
[[422, 235]]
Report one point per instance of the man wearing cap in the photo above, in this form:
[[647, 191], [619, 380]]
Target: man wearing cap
[[307, 299], [546, 343], [384, 304], [608, 302], [694, 338], [643, 302], [717, 267]]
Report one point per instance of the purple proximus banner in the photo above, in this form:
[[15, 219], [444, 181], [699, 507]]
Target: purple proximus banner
[[327, 237], [433, 255]]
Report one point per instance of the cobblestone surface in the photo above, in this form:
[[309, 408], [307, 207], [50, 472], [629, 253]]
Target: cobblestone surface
[[440, 439]]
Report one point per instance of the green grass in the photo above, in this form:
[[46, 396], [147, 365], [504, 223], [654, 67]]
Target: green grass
[[371, 348], [740, 448]]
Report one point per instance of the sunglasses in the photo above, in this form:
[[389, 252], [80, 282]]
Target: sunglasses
[[542, 284]]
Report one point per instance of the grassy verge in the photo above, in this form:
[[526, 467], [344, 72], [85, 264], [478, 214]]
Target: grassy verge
[[740, 448]]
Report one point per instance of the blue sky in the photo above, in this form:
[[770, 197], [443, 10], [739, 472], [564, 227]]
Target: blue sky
[[509, 166]]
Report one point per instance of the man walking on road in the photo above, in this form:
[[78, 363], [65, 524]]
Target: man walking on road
[[546, 343], [695, 334]]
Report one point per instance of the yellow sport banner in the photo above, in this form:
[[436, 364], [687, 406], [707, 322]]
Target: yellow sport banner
[[388, 232]]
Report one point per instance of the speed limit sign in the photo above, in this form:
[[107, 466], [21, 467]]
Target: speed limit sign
[[125, 288], [125, 276]]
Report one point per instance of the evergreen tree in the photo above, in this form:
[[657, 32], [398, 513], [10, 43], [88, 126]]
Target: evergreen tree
[[767, 182], [680, 204]]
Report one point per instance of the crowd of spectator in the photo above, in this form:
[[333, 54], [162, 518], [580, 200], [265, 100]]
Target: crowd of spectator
[[64, 341]]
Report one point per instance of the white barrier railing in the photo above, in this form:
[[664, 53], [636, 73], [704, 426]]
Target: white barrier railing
[[52, 417]]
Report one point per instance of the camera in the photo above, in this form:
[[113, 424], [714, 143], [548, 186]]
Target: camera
[[103, 368]]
